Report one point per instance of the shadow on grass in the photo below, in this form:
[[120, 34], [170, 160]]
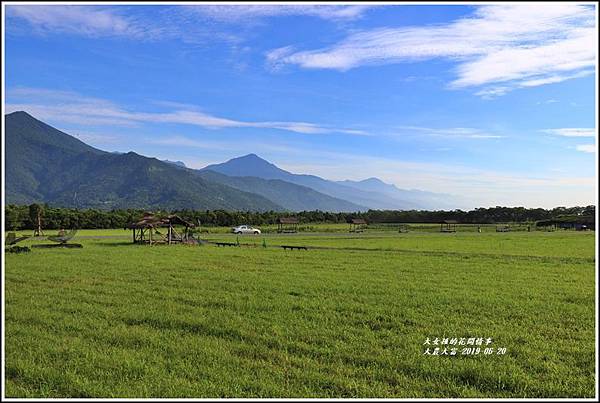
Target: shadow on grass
[[120, 243], [139, 245]]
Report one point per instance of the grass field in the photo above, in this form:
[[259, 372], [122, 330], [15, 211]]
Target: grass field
[[348, 319]]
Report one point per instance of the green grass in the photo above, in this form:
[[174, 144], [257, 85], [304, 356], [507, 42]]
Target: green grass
[[556, 244], [81, 232], [121, 320]]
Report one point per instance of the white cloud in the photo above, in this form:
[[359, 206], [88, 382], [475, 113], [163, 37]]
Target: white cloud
[[572, 132], [245, 13], [69, 107], [556, 78], [181, 141], [452, 132], [503, 46], [586, 148], [547, 102], [192, 24], [86, 20], [493, 92], [531, 65]]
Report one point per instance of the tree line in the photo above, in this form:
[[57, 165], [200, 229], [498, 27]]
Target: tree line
[[19, 217]]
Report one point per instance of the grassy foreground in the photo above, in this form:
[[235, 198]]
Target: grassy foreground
[[118, 320]]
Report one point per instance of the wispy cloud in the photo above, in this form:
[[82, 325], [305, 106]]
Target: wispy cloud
[[452, 132], [575, 132], [70, 107], [500, 46], [572, 132], [192, 24], [547, 102], [181, 141], [493, 92], [586, 148], [246, 13], [228, 146], [92, 21]]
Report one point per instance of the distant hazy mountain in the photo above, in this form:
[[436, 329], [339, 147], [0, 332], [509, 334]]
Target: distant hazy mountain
[[253, 165], [370, 193], [44, 164], [289, 195], [370, 185], [420, 198]]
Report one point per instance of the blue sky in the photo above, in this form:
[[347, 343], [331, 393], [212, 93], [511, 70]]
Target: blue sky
[[493, 102]]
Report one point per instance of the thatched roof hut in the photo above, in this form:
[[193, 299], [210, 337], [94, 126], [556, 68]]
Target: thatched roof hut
[[144, 229]]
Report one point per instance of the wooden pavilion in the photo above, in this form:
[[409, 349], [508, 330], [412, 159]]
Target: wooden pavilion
[[578, 223], [358, 225], [146, 230], [287, 224], [448, 226]]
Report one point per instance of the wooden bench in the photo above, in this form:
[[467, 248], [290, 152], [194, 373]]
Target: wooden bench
[[285, 247], [226, 244]]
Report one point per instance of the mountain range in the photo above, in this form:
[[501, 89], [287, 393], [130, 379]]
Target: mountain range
[[44, 164], [370, 193]]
